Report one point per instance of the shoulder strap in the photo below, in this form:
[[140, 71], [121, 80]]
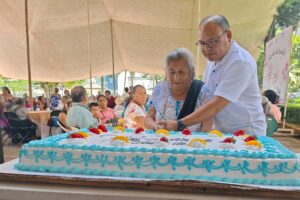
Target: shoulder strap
[[191, 99]]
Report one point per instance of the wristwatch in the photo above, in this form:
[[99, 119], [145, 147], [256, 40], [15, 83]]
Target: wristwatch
[[180, 125]]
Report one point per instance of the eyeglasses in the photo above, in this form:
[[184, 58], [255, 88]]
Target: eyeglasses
[[210, 43]]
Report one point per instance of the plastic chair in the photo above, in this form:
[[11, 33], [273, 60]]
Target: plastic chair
[[20, 130], [272, 126], [62, 127]]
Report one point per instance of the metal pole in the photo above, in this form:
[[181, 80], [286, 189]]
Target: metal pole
[[125, 79], [197, 48], [112, 55], [28, 53], [89, 54]]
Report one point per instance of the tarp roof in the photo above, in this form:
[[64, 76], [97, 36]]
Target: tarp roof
[[144, 31]]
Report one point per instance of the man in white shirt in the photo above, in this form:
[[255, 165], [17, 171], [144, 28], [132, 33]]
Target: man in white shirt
[[231, 75]]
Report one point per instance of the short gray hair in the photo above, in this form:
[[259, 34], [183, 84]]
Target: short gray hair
[[220, 20], [178, 54]]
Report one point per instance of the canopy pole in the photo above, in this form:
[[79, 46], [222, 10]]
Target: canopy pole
[[198, 48], [112, 55], [125, 79], [89, 55], [28, 54]]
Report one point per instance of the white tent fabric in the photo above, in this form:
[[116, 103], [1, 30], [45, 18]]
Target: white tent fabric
[[144, 31]]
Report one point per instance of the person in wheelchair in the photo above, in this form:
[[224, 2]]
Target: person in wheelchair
[[19, 108], [21, 127]]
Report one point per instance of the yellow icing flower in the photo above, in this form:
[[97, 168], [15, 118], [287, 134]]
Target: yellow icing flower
[[121, 137], [120, 128], [197, 140], [120, 122], [83, 134], [216, 132], [163, 132], [254, 143]]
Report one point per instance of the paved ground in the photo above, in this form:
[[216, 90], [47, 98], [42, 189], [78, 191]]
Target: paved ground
[[292, 143]]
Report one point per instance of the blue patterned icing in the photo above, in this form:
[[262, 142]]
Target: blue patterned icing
[[105, 172], [154, 161]]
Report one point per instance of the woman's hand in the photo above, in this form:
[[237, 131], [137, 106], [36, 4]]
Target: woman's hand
[[169, 125]]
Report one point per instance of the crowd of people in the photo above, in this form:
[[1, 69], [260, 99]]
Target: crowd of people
[[227, 98]]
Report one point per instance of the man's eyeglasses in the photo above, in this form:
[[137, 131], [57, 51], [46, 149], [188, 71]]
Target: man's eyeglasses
[[210, 43]]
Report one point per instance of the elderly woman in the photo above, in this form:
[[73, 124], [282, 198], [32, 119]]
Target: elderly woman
[[19, 108], [179, 95]]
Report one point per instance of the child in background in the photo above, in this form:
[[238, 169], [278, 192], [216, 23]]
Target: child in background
[[273, 98], [135, 112], [94, 108]]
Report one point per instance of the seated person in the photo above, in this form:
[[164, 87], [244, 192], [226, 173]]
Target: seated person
[[66, 102], [135, 113], [105, 113], [19, 108], [42, 103], [62, 117], [94, 108], [179, 95], [272, 110], [119, 108], [79, 115], [110, 99]]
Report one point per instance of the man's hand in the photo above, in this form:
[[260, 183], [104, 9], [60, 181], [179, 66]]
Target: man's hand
[[169, 125]]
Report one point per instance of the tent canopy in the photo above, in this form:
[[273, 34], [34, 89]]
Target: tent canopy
[[143, 33]]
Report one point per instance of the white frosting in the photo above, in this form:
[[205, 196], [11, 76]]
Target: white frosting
[[198, 145], [162, 144], [117, 143], [227, 146]]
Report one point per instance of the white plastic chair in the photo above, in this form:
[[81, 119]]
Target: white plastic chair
[[62, 127]]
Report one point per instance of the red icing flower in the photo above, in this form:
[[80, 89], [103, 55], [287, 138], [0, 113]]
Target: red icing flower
[[163, 139], [229, 140], [139, 130], [186, 131], [102, 128], [94, 130], [75, 135], [239, 133], [249, 138]]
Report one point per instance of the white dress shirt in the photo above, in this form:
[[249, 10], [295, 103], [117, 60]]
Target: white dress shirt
[[235, 79]]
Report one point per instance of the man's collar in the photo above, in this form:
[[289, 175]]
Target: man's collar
[[231, 49], [79, 104]]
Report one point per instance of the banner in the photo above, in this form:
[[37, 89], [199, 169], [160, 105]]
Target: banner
[[276, 66]]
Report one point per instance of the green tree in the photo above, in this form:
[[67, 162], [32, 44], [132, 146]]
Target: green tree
[[287, 14]]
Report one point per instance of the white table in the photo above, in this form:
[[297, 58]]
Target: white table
[[40, 118], [15, 184]]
